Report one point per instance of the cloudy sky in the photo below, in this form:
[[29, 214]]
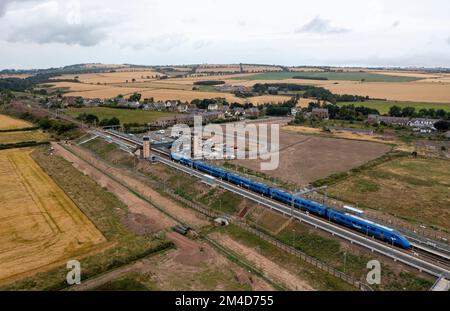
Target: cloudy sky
[[46, 33]]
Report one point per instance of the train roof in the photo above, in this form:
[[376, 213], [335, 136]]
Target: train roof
[[353, 209], [369, 222]]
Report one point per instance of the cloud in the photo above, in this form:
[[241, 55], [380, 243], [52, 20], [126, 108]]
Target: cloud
[[201, 44], [321, 26], [164, 42], [5, 3], [51, 22]]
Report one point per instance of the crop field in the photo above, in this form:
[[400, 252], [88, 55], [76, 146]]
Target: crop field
[[236, 68], [390, 85], [383, 106], [23, 136], [9, 123], [340, 76], [304, 159], [421, 189], [412, 91], [39, 225], [113, 77], [178, 90], [124, 115]]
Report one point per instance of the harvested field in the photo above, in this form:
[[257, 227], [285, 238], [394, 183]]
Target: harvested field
[[113, 77], [158, 90], [9, 123], [421, 189], [16, 137], [412, 91], [304, 159], [40, 226], [236, 68]]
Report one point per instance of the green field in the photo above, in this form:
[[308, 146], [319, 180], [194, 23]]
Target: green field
[[343, 76], [124, 115], [383, 106]]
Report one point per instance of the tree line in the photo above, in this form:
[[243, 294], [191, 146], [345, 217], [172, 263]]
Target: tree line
[[411, 112]]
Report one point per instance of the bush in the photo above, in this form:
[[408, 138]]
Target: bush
[[209, 82]]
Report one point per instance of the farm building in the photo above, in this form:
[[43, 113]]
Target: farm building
[[320, 113]]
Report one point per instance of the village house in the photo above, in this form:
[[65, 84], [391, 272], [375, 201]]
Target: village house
[[214, 107], [320, 113], [421, 123], [252, 112], [183, 108], [374, 118]]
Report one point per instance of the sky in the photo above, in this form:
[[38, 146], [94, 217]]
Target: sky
[[53, 33]]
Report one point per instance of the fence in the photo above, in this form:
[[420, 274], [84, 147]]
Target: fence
[[289, 249]]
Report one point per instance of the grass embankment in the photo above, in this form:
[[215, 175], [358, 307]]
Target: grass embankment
[[130, 282], [23, 136], [124, 115], [106, 212], [420, 186], [187, 187]]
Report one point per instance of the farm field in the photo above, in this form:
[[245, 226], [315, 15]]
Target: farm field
[[158, 90], [411, 91], [9, 123], [124, 115], [236, 68], [39, 225], [304, 159], [421, 189], [395, 86], [23, 136], [383, 106], [339, 76], [113, 77]]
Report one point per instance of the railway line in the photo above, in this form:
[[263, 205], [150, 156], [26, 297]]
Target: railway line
[[422, 258]]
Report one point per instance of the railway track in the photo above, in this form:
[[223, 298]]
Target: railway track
[[419, 257], [438, 258]]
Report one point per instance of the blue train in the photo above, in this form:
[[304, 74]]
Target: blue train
[[351, 221]]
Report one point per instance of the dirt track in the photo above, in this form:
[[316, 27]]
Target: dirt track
[[194, 264], [127, 178], [273, 270], [157, 220]]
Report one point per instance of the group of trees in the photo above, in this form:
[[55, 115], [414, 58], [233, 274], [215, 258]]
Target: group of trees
[[410, 112], [281, 109], [58, 126], [21, 85], [135, 97], [88, 118], [209, 82], [204, 103], [307, 91], [309, 78], [348, 112]]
